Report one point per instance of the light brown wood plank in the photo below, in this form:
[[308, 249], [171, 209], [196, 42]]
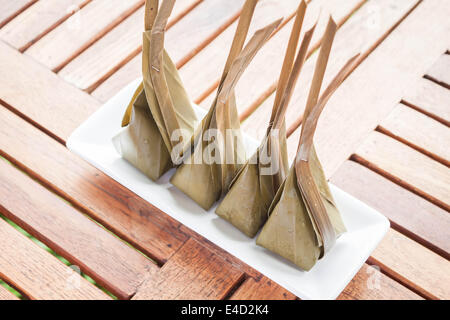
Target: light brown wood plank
[[430, 99], [103, 58], [193, 272], [370, 284], [200, 77], [260, 74], [127, 73], [41, 95], [109, 261], [38, 20], [6, 295], [183, 41], [419, 131], [37, 273], [409, 213], [407, 167], [414, 265], [356, 35], [11, 8], [70, 38], [114, 206], [440, 71], [264, 289], [117, 47], [392, 68]]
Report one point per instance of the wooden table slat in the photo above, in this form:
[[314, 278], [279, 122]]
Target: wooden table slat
[[111, 263], [193, 272], [440, 71], [422, 220], [37, 273], [356, 35], [114, 206], [377, 286], [116, 48], [69, 39], [36, 21], [419, 131], [430, 99], [357, 108], [407, 167], [11, 8], [414, 265]]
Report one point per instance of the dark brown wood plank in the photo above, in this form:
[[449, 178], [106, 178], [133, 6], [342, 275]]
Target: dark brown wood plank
[[193, 272], [37, 273], [69, 39], [419, 132], [407, 167], [263, 289], [377, 286], [102, 256], [36, 21], [409, 213], [114, 206], [430, 99], [440, 71]]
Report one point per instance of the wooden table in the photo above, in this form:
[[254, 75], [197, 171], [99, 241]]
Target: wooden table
[[384, 138]]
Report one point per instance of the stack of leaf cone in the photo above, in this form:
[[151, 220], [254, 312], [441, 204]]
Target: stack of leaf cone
[[304, 221], [252, 191], [217, 150], [160, 115]]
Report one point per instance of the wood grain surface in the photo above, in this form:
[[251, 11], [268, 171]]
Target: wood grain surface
[[105, 258], [37, 273]]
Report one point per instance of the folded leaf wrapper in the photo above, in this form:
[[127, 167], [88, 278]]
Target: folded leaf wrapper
[[217, 150], [149, 136], [304, 221], [247, 203]]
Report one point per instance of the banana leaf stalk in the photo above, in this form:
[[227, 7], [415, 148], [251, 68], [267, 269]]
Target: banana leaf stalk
[[218, 142], [254, 187], [304, 221], [160, 115]]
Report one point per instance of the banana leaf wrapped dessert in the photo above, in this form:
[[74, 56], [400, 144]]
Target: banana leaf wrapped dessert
[[160, 109], [252, 191], [304, 221], [217, 150]]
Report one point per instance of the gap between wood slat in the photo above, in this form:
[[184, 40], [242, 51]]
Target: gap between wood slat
[[23, 296], [398, 278], [442, 84], [398, 181], [425, 152], [31, 121], [425, 112], [25, 7]]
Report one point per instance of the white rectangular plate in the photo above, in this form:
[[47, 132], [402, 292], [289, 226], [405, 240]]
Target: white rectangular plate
[[366, 227]]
